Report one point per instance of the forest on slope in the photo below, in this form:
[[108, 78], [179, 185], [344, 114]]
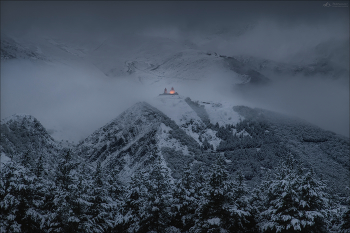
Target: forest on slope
[[269, 173], [78, 198]]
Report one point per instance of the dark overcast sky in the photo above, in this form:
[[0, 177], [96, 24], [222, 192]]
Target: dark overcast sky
[[94, 16]]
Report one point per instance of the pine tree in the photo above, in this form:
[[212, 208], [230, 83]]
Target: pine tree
[[81, 202], [259, 197], [345, 226], [98, 180], [26, 158], [294, 202], [47, 190], [65, 169], [200, 182], [39, 167], [175, 213], [185, 202], [116, 195], [100, 209], [312, 203], [241, 211], [65, 195], [157, 200], [134, 204], [19, 199], [214, 210], [206, 144]]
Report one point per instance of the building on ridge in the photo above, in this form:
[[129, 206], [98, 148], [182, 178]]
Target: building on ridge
[[171, 92]]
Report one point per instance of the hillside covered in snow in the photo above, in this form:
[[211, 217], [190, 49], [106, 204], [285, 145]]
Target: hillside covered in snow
[[184, 131], [173, 136]]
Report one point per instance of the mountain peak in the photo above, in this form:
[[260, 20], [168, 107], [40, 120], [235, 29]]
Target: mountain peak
[[22, 132], [19, 118], [25, 123]]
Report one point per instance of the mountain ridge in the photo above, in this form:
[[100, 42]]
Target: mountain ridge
[[255, 140]]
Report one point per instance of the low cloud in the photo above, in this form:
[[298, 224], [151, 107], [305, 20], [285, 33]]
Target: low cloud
[[79, 98], [74, 100], [320, 101]]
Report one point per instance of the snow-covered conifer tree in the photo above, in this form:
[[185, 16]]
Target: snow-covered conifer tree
[[26, 158], [101, 209], [185, 202], [19, 200], [241, 211], [157, 200], [65, 194], [134, 203], [345, 226], [294, 202], [214, 210]]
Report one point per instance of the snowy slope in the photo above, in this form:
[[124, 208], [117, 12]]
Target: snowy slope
[[23, 133], [179, 110], [322, 66], [168, 125], [176, 108], [222, 113], [129, 141], [12, 49], [148, 57], [4, 159], [175, 127]]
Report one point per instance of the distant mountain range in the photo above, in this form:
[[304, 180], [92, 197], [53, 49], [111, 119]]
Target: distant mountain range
[[152, 59]]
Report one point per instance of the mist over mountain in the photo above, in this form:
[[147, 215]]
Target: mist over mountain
[[80, 68], [71, 79]]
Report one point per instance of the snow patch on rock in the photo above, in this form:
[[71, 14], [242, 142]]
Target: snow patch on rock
[[210, 135], [4, 159], [222, 113], [165, 141], [214, 221], [175, 108]]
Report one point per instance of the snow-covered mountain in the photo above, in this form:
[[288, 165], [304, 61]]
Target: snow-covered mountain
[[174, 127], [179, 129], [152, 147], [22, 134], [130, 140], [154, 60], [182, 131], [11, 49], [322, 67], [329, 59], [146, 58]]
